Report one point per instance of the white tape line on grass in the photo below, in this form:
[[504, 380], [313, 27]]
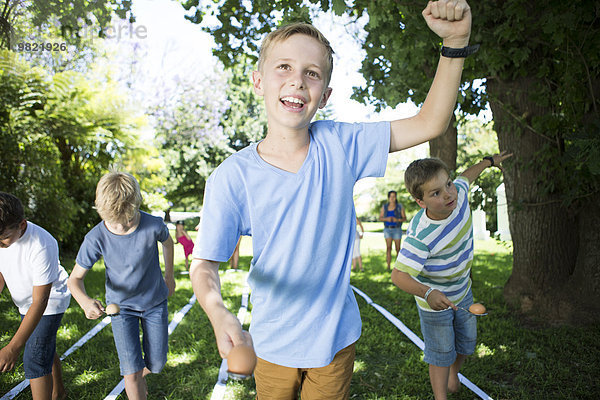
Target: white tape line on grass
[[16, 390], [105, 321], [221, 386], [177, 318], [91, 333], [243, 311], [417, 340]]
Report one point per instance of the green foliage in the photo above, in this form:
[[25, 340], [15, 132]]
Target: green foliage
[[244, 23], [563, 59], [393, 180], [189, 135], [245, 120], [553, 46], [475, 141], [198, 127], [62, 133], [73, 18], [398, 44], [30, 166]]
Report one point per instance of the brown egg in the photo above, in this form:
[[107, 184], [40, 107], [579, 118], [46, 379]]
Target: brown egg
[[477, 308], [241, 360], [112, 309]]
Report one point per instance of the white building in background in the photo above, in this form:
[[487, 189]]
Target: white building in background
[[503, 232], [479, 229]]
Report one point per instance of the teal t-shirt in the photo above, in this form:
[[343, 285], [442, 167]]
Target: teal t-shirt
[[439, 253], [302, 226]]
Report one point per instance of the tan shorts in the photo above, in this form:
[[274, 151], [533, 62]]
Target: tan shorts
[[331, 382]]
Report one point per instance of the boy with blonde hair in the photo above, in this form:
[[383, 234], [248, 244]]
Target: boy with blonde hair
[[127, 240], [292, 192], [434, 265], [30, 268]]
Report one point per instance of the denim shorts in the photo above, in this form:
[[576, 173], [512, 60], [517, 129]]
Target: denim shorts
[[155, 338], [448, 332], [41, 347], [392, 233]]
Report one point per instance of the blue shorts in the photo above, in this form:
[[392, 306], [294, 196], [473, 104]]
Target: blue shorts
[[393, 233], [155, 338], [41, 347], [448, 332]]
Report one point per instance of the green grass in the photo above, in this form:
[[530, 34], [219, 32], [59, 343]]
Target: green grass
[[512, 361]]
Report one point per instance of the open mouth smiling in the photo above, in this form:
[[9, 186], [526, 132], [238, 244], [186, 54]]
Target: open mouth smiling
[[292, 102]]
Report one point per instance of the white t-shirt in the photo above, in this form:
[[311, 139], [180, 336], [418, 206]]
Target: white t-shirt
[[302, 226], [33, 261]]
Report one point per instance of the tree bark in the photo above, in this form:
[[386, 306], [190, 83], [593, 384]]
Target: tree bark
[[555, 248], [444, 147]]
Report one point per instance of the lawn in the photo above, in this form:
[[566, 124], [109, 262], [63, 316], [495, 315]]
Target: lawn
[[512, 360]]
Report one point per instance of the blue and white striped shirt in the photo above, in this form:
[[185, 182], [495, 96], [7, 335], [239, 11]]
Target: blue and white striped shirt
[[439, 254]]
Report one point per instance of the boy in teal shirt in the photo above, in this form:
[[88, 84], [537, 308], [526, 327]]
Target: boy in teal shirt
[[434, 265]]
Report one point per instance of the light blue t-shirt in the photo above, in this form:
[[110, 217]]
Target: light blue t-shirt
[[134, 279], [302, 226]]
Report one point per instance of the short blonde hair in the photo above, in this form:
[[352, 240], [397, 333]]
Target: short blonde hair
[[118, 197], [419, 172], [285, 32]]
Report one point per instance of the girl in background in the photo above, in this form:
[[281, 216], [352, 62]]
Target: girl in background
[[185, 240]]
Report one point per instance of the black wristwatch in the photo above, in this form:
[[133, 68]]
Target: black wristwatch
[[490, 159], [459, 53]]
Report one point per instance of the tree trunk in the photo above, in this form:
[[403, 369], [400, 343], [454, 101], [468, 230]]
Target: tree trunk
[[444, 147], [556, 269]]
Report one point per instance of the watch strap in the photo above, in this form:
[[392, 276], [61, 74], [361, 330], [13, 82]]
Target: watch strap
[[451, 52]]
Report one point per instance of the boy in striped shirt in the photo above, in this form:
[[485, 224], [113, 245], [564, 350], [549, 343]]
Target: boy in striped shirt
[[434, 265]]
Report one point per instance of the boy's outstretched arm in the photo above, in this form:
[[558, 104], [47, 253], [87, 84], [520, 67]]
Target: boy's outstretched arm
[[168, 256], [475, 170], [204, 275], [92, 308], [436, 299], [451, 21], [39, 301]]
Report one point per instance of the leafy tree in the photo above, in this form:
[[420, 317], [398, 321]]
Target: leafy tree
[[60, 133], [73, 18], [540, 66], [477, 140], [198, 126], [65, 119], [190, 136], [245, 120], [30, 167], [394, 180]]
